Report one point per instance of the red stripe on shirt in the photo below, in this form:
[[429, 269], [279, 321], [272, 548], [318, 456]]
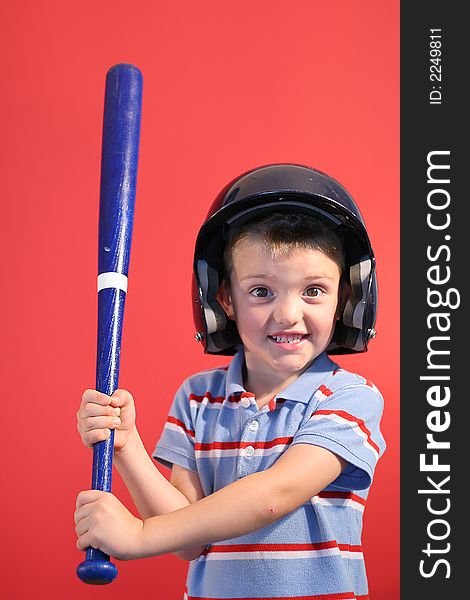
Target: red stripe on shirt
[[324, 390], [235, 397], [349, 548], [211, 399], [352, 419], [274, 403], [344, 495], [280, 547], [237, 445], [176, 421]]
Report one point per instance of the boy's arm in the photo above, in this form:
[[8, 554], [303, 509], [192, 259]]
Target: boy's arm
[[151, 492], [189, 484], [246, 505]]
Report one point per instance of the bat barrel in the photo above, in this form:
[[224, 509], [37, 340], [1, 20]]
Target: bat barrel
[[120, 147]]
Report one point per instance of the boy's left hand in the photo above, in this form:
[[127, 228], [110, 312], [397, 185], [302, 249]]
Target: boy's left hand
[[102, 522]]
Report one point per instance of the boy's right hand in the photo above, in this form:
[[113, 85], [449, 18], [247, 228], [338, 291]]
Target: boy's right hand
[[99, 413]]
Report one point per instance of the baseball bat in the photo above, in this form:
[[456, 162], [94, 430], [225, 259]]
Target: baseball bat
[[119, 157]]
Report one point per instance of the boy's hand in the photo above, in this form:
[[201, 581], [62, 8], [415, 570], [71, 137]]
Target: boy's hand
[[105, 523], [99, 413]]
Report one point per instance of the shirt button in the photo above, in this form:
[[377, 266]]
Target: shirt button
[[245, 402], [253, 426], [249, 451]]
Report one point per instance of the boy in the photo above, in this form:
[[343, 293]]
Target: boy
[[274, 455]]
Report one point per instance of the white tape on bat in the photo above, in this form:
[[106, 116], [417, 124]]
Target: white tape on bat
[[112, 280]]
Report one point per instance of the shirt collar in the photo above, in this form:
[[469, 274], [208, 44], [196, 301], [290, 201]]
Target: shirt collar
[[234, 381], [300, 390]]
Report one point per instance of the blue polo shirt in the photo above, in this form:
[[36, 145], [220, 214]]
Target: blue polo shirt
[[215, 429]]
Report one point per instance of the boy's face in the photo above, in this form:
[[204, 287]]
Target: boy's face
[[285, 307]]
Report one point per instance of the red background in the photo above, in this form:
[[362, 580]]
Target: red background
[[227, 86]]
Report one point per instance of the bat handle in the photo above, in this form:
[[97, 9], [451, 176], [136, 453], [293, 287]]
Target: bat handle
[[96, 568]]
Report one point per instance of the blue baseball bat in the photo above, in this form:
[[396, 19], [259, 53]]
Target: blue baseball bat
[[119, 158]]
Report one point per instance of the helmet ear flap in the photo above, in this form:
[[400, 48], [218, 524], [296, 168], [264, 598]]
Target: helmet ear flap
[[343, 296], [355, 326], [216, 330]]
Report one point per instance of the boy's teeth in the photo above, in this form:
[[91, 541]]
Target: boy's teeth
[[289, 339]]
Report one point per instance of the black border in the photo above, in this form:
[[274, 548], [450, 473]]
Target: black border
[[426, 128]]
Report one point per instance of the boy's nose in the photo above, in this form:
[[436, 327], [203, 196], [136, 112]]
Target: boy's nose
[[287, 312]]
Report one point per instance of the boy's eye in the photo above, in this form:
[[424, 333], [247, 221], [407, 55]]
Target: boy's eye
[[313, 292], [260, 292]]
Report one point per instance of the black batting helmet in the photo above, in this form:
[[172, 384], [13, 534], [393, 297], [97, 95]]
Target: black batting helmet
[[284, 188]]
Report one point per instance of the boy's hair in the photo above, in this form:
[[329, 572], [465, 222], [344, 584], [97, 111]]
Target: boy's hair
[[283, 233]]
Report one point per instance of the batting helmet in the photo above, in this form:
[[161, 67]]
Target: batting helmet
[[284, 188]]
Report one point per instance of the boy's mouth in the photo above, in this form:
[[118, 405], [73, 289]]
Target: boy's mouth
[[294, 338]]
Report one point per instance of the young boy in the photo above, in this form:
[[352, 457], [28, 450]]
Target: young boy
[[272, 457]]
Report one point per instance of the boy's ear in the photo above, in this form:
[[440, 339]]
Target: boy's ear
[[344, 291], [225, 300]]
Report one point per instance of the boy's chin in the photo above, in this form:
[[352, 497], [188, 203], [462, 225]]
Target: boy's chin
[[292, 364]]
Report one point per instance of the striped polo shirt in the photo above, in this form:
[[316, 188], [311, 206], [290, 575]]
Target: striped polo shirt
[[215, 429]]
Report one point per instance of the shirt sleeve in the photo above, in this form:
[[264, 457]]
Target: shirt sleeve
[[347, 422], [176, 443]]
